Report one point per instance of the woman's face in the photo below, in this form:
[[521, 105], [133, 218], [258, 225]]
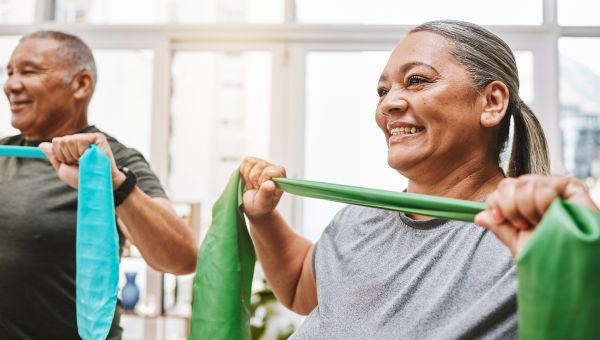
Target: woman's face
[[428, 110]]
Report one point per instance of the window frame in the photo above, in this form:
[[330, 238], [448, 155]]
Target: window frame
[[289, 43]]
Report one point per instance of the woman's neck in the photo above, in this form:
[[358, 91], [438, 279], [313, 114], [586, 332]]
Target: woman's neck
[[472, 181]]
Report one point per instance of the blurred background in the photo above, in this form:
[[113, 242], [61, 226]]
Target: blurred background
[[196, 85]]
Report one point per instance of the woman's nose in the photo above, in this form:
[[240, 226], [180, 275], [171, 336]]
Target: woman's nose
[[394, 102]]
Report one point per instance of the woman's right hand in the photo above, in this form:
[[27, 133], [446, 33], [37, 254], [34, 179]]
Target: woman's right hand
[[262, 195]]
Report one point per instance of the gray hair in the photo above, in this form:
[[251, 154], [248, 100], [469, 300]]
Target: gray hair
[[73, 49], [488, 58]]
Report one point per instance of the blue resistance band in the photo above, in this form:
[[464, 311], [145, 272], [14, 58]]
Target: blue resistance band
[[97, 241]]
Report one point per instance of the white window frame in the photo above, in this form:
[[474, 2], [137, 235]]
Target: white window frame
[[289, 43]]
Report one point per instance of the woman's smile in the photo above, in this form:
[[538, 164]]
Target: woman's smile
[[404, 133]]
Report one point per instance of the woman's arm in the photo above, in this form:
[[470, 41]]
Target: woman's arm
[[286, 256]]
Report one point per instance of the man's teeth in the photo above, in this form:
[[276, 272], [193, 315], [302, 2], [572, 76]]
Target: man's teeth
[[405, 130]]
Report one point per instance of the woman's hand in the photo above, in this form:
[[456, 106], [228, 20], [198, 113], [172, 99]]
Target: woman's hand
[[518, 204], [262, 195]]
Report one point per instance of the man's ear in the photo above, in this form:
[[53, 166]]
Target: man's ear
[[83, 85], [496, 97]]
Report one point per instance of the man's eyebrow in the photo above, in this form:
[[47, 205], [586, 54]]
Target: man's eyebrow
[[406, 67], [29, 63]]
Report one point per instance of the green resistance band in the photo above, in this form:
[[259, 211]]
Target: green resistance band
[[551, 282], [97, 241]]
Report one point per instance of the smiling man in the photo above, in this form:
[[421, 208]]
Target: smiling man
[[51, 79]]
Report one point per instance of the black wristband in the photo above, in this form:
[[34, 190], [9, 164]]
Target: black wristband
[[121, 193]]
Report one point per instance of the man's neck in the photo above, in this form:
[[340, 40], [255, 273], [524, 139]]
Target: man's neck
[[58, 130]]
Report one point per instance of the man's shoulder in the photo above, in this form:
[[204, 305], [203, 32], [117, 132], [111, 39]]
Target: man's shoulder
[[12, 140], [119, 150], [111, 140]]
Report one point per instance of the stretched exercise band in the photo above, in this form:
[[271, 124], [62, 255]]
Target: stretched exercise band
[[558, 271]]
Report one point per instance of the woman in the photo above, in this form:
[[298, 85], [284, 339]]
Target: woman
[[447, 95]]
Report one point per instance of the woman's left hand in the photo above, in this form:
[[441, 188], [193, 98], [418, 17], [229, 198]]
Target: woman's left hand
[[518, 204]]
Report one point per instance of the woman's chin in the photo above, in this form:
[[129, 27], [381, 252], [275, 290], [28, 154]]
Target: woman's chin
[[401, 165]]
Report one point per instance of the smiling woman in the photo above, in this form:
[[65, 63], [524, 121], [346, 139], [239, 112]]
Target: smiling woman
[[446, 96]]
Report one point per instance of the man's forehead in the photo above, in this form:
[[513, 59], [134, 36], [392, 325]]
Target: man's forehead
[[36, 50]]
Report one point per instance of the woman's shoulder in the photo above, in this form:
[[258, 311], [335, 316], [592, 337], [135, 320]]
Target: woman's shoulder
[[352, 219], [360, 214]]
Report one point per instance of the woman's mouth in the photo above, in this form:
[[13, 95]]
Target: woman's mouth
[[405, 130], [404, 133]]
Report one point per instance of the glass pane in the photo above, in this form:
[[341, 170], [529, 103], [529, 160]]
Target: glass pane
[[7, 45], [17, 11], [168, 11], [220, 108], [580, 106], [578, 12], [122, 103], [343, 144], [416, 12], [525, 67]]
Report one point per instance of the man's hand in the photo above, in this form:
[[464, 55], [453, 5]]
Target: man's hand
[[518, 205], [64, 153]]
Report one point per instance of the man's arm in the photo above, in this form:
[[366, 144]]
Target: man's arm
[[163, 239], [151, 224]]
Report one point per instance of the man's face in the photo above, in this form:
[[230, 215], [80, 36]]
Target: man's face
[[39, 98]]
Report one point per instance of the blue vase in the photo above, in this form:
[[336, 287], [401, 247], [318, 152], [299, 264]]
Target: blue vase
[[130, 294]]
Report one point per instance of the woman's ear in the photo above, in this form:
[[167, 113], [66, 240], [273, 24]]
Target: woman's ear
[[495, 96]]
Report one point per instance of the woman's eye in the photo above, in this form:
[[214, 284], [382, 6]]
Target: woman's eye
[[381, 92], [416, 80]]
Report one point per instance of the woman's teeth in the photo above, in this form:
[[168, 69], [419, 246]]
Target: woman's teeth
[[405, 130]]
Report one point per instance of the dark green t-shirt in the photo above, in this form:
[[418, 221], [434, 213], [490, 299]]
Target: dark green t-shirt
[[37, 243]]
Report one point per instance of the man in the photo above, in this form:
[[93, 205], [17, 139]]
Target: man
[[51, 78]]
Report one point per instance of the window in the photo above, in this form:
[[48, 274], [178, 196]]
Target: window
[[168, 11], [395, 12], [7, 45], [220, 113], [578, 12], [122, 103], [17, 11], [525, 66], [580, 106], [341, 97]]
